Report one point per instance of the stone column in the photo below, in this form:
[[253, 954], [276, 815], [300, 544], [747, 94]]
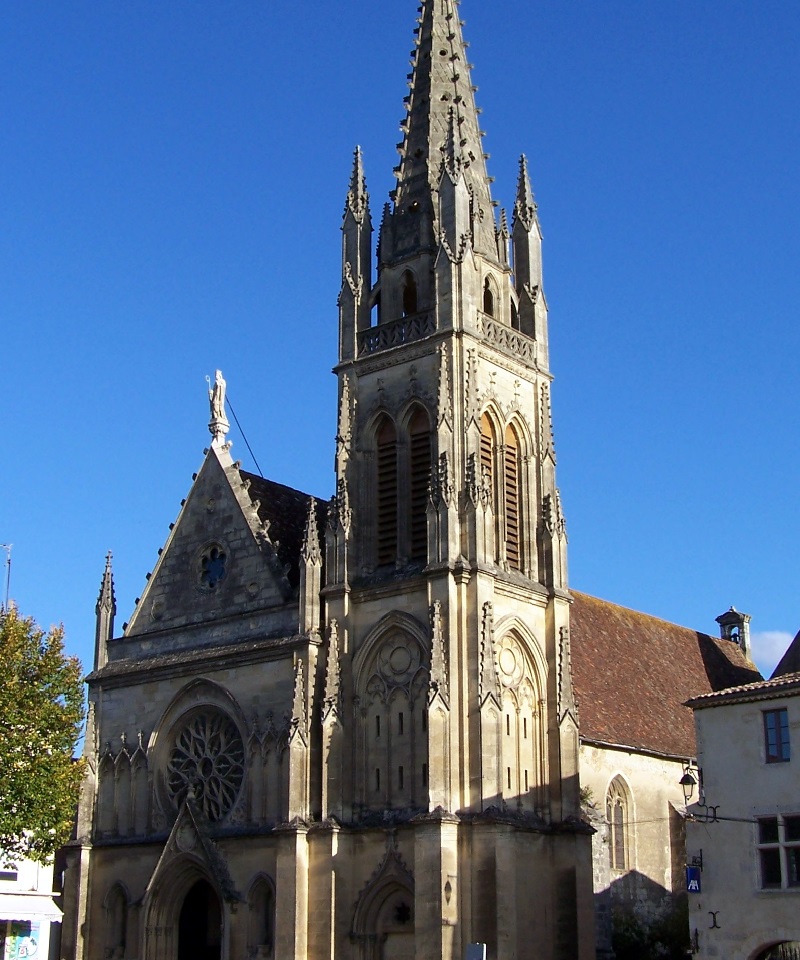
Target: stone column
[[437, 929], [291, 892]]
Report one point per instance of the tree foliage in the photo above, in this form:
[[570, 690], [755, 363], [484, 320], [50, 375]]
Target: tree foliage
[[41, 712]]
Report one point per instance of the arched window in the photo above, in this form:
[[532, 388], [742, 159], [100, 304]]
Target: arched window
[[261, 926], [392, 689], [409, 294], [116, 922], [488, 298], [514, 316], [617, 816], [511, 471], [419, 430], [386, 514], [488, 446]]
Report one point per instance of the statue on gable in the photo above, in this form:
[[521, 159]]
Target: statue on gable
[[218, 425]]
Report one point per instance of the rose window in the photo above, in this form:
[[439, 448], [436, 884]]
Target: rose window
[[208, 758], [511, 662]]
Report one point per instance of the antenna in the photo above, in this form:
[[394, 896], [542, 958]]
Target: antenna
[[7, 547]]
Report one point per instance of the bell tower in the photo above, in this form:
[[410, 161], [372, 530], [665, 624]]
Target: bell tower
[[448, 691]]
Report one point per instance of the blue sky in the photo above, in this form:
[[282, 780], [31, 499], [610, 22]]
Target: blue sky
[[173, 182]]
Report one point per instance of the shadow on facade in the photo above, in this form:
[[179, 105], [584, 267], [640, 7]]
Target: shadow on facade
[[643, 920]]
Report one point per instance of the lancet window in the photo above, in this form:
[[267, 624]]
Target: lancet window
[[488, 298], [261, 926], [402, 475], [410, 304], [511, 472], [618, 818], [521, 776], [420, 470], [501, 470], [116, 907], [386, 491], [393, 687]]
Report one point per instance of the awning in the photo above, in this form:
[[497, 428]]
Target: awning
[[18, 906]]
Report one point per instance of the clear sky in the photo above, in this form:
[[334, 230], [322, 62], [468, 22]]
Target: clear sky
[[173, 179]]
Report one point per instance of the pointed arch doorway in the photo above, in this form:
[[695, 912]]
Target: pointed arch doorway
[[200, 924]]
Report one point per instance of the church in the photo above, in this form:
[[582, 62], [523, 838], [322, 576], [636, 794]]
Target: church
[[384, 727]]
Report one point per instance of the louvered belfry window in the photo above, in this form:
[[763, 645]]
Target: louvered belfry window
[[487, 454], [387, 492], [512, 504], [420, 463]]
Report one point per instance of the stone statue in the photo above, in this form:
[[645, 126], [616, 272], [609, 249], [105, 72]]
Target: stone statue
[[216, 396], [218, 426]]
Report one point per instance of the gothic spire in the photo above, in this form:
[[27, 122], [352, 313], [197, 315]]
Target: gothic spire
[[106, 610], [311, 551], [357, 196], [525, 205], [440, 84]]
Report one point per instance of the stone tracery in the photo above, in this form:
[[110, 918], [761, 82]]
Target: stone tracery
[[208, 758]]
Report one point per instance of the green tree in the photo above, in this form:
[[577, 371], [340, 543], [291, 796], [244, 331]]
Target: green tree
[[41, 713]]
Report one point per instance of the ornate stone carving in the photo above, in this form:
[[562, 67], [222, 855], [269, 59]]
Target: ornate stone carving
[[298, 725], [471, 388], [445, 397], [439, 674], [488, 675], [440, 488], [333, 679], [344, 435], [207, 757], [311, 550], [399, 665], [508, 341], [547, 439], [396, 334]]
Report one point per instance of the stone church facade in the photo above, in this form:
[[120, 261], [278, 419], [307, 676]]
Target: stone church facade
[[351, 729]]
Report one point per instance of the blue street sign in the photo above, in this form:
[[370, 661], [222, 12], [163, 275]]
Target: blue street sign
[[693, 879]]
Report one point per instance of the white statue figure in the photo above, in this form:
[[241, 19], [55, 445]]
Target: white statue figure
[[216, 397]]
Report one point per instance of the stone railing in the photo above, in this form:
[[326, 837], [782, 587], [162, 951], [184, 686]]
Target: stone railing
[[396, 333], [508, 341]]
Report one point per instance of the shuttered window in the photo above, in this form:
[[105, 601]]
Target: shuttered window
[[387, 492], [487, 454], [512, 504], [420, 463]]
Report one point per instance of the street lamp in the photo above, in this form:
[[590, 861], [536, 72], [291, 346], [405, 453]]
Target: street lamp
[[688, 783]]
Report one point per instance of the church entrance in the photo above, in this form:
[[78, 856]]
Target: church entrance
[[200, 924]]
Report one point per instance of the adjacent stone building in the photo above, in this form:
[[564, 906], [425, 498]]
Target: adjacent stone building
[[746, 824], [359, 729]]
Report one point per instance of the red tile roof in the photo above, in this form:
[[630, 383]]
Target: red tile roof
[[633, 674], [788, 683]]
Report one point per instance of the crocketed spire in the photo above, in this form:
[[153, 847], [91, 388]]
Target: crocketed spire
[[441, 88]]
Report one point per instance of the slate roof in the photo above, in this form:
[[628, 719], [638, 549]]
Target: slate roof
[[790, 661], [633, 674], [286, 510]]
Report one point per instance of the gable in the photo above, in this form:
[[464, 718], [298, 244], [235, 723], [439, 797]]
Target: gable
[[219, 560], [633, 673], [790, 661]]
